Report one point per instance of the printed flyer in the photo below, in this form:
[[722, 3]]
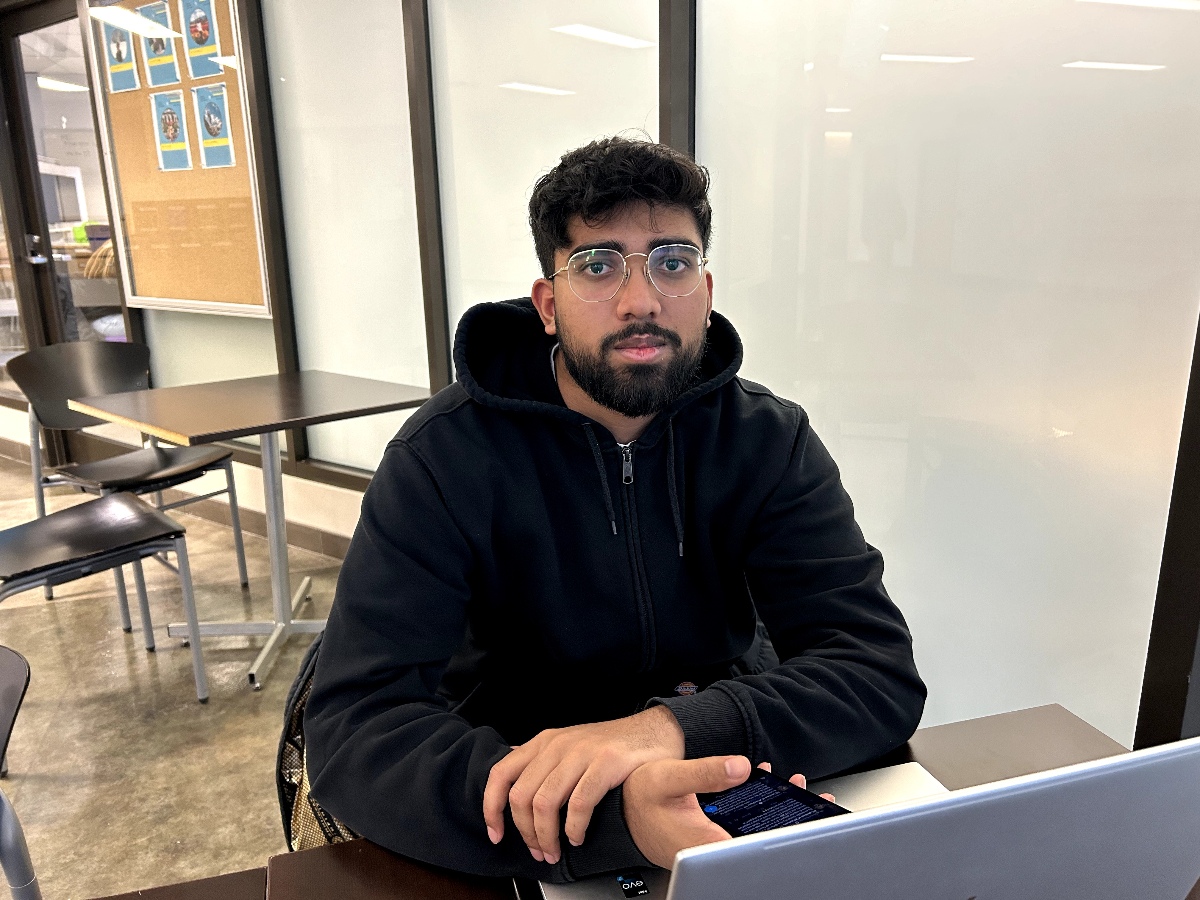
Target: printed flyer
[[118, 60], [159, 52], [174, 154], [200, 38], [212, 124]]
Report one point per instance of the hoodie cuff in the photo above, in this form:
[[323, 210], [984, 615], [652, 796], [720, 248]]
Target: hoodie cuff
[[711, 721], [608, 845]]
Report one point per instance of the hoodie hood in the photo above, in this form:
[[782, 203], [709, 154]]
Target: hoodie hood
[[502, 360]]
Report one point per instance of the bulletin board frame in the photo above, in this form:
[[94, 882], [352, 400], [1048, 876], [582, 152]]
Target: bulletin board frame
[[210, 256]]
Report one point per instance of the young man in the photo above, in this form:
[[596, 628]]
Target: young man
[[600, 572]]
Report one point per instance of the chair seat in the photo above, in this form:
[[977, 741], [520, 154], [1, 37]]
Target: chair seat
[[140, 470], [98, 527]]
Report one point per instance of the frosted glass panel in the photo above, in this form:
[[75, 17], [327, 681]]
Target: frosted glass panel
[[340, 97], [979, 273], [495, 140]]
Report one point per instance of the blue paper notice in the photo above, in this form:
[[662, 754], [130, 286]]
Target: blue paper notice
[[173, 152], [200, 38], [118, 60], [159, 52], [212, 124]]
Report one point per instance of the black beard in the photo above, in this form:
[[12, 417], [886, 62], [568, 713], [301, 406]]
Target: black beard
[[637, 390]]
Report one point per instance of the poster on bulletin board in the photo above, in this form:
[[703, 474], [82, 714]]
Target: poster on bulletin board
[[118, 57], [212, 124], [158, 51], [174, 155], [202, 38], [188, 234]]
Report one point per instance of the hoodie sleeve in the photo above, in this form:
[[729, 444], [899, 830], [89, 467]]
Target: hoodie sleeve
[[384, 752], [846, 689]]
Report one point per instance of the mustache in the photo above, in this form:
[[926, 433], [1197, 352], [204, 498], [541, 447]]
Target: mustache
[[635, 328]]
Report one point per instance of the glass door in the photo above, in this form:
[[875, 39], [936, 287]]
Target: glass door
[[12, 340], [68, 253]]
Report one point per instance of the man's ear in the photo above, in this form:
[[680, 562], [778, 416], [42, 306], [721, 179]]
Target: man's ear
[[542, 294], [708, 285]]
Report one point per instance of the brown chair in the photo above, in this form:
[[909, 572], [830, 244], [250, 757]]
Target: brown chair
[[94, 537], [14, 852], [49, 377]]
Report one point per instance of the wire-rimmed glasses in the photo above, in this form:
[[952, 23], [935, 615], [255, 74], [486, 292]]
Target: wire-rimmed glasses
[[594, 276]]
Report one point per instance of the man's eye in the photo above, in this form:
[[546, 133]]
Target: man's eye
[[674, 264], [594, 269]]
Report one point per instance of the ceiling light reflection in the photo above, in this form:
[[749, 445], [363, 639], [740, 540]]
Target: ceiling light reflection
[[587, 32], [924, 58], [1119, 67], [535, 88], [127, 19], [1187, 5], [53, 84]]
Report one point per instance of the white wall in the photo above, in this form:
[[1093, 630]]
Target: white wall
[[349, 203], [983, 283], [494, 142]]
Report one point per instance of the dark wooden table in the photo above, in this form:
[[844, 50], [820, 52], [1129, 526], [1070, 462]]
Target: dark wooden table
[[963, 754], [264, 405]]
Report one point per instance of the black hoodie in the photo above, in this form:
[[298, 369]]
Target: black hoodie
[[514, 569]]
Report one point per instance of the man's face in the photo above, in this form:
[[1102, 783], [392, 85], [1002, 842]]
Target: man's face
[[637, 352]]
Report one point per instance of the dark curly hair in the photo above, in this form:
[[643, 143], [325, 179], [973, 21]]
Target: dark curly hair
[[593, 182]]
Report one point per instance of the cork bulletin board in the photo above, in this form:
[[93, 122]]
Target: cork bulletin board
[[185, 204]]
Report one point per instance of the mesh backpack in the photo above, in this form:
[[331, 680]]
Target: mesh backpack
[[305, 823]]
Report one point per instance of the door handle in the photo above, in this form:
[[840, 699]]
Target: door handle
[[34, 257]]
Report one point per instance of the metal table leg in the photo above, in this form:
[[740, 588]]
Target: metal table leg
[[283, 605]]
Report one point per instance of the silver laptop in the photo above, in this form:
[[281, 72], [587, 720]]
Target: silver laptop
[[865, 790], [1122, 828]]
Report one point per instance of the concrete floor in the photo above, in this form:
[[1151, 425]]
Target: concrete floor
[[120, 778]]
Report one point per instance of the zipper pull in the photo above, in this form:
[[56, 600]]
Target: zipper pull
[[626, 463]]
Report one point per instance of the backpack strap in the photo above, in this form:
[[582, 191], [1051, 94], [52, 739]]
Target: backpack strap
[[305, 823]]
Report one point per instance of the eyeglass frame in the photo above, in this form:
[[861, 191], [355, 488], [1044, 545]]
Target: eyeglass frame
[[625, 278]]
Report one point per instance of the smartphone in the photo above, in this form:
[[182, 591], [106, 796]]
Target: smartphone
[[765, 801]]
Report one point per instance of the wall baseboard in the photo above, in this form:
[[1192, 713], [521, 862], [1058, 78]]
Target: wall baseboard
[[253, 522]]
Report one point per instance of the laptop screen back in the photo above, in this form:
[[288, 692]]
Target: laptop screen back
[[1117, 829]]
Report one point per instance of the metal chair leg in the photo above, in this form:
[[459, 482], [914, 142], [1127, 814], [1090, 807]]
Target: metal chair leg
[[139, 579], [35, 463], [158, 497], [122, 599], [193, 621], [236, 522]]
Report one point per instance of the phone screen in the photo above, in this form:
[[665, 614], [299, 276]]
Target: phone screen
[[763, 802]]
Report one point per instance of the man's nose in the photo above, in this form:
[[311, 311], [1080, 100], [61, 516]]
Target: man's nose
[[638, 298]]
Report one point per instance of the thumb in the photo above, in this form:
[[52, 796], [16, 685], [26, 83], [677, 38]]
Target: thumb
[[704, 776]]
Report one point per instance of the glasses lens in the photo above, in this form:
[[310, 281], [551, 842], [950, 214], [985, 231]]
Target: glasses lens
[[595, 275], [675, 269]]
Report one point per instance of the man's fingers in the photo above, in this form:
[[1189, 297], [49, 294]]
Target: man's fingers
[[597, 781], [765, 766], [799, 780], [537, 796], [495, 793], [549, 798], [678, 778]]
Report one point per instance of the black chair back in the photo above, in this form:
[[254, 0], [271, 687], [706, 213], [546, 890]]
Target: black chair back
[[14, 680], [49, 376]]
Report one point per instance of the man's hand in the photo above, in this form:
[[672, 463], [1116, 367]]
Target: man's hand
[[575, 766], [661, 809]]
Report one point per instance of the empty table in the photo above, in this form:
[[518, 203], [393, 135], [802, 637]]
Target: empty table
[[263, 405]]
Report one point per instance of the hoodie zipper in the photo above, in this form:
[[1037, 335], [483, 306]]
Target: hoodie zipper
[[626, 463], [641, 582]]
